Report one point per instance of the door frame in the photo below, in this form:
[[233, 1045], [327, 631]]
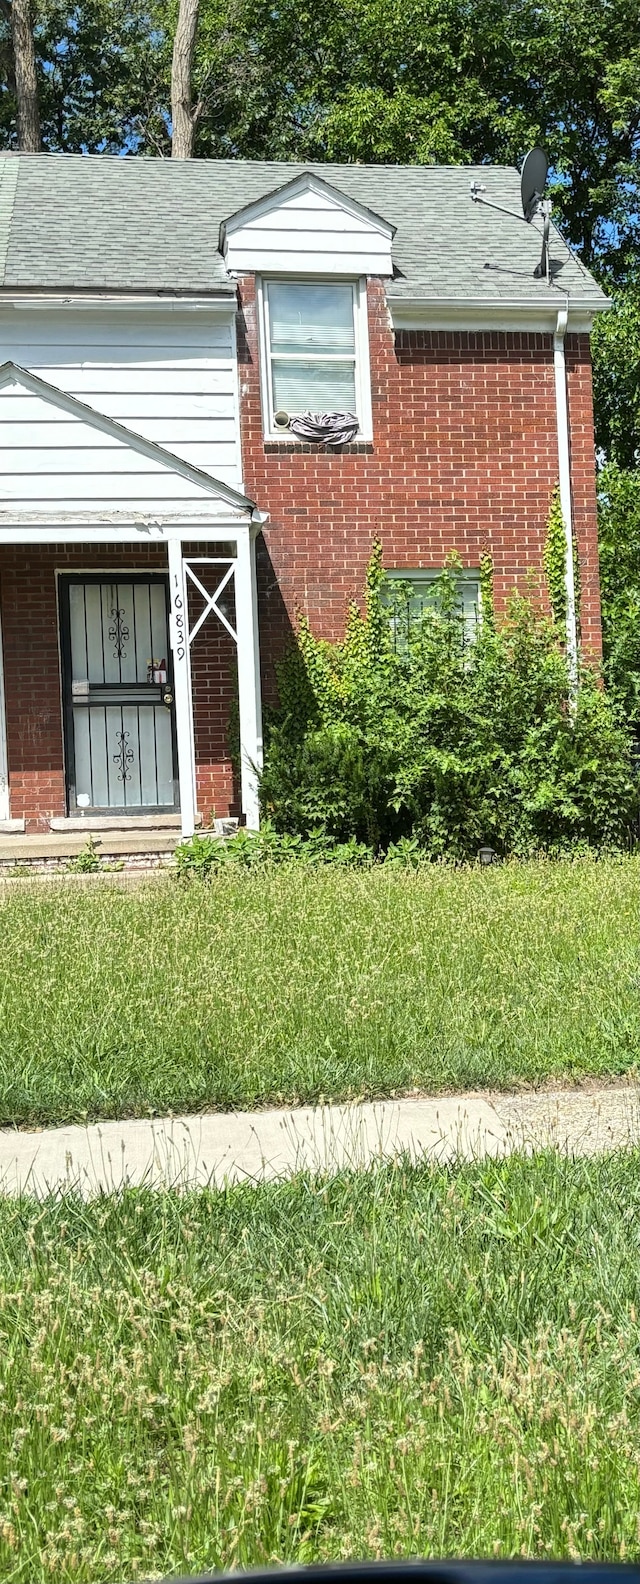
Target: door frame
[[115, 575]]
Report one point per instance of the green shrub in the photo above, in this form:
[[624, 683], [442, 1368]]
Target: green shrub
[[444, 742]]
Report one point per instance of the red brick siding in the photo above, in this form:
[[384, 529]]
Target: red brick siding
[[32, 678], [464, 457]]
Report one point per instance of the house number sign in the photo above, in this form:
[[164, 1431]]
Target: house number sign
[[179, 628]]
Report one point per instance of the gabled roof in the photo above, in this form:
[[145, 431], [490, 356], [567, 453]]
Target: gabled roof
[[307, 182], [101, 223], [12, 374]]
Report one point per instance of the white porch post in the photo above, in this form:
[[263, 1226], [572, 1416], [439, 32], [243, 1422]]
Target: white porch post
[[179, 628], [248, 679]]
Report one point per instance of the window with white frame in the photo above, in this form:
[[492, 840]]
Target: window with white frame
[[315, 350], [408, 594]]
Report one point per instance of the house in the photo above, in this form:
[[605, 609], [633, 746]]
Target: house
[[163, 514]]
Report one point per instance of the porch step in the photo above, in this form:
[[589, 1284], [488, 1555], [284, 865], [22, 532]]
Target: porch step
[[52, 849]]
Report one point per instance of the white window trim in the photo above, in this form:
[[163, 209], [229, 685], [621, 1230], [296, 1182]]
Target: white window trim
[[362, 365]]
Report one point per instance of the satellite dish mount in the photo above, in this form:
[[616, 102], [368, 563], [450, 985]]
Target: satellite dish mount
[[533, 181]]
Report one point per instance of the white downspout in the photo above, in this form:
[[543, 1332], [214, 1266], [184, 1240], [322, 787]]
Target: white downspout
[[564, 471]]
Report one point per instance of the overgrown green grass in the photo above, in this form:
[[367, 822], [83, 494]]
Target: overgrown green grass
[[406, 1361], [288, 985]]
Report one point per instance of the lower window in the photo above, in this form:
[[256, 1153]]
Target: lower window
[[409, 594]]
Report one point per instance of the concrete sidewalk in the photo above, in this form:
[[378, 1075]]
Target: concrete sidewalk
[[231, 1147]]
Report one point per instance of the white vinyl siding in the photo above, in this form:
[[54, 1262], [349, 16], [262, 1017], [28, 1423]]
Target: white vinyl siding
[[307, 230], [170, 377], [314, 346], [53, 463]]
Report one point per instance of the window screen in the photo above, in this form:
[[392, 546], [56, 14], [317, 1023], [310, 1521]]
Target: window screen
[[311, 347]]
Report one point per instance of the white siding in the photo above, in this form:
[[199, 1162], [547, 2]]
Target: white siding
[[171, 377], [309, 233], [52, 463]]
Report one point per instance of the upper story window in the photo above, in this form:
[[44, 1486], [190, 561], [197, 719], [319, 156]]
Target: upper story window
[[314, 351]]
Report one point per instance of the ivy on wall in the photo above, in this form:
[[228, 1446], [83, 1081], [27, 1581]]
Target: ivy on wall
[[555, 565]]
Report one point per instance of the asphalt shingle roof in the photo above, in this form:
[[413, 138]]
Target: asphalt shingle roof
[[103, 223]]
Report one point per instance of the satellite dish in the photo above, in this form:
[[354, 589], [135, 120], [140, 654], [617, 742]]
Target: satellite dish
[[533, 181]]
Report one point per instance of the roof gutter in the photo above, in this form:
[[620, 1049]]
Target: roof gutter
[[564, 472], [482, 313], [190, 302]]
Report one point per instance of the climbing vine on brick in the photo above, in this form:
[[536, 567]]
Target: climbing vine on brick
[[555, 564]]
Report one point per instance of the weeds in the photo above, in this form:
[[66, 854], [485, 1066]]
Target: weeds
[[407, 1361], [291, 983]]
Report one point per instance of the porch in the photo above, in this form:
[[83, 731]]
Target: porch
[[119, 694], [129, 641]]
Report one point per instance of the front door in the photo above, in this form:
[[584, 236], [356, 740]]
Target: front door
[[118, 694]]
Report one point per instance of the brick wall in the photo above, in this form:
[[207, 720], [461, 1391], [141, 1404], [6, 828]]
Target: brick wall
[[464, 457], [32, 678]]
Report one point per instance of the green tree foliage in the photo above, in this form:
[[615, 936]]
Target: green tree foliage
[[616, 378], [103, 77], [383, 80], [620, 585], [450, 743], [555, 566]]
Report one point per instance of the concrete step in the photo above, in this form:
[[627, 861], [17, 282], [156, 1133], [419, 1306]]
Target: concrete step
[[110, 844]]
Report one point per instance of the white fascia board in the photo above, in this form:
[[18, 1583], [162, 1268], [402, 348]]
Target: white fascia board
[[224, 305], [30, 531], [454, 313]]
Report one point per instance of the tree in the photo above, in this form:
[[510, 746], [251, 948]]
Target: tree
[[616, 379], [427, 81], [23, 74], [184, 114], [619, 535]]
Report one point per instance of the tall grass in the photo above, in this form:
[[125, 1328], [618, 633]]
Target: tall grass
[[290, 985], [407, 1361]]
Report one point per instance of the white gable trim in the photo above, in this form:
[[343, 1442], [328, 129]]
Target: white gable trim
[[307, 182], [307, 227], [12, 374]]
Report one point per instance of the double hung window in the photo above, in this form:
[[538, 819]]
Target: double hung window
[[313, 350]]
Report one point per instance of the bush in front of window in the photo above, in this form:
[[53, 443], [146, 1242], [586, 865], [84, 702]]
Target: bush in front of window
[[443, 741]]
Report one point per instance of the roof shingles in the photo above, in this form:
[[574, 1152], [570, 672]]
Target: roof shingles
[[101, 223]]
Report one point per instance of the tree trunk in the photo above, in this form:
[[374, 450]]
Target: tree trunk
[[184, 115], [24, 58]]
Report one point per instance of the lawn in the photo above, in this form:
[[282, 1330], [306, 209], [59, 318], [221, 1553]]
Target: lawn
[[412, 1360], [290, 985]]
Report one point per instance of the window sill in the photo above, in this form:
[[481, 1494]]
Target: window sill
[[353, 447]]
